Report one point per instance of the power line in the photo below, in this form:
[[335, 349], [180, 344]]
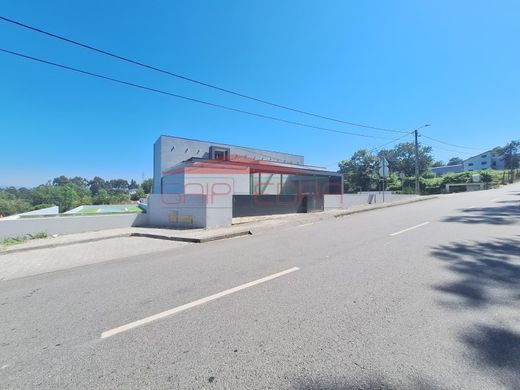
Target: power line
[[390, 142], [450, 150], [449, 144], [185, 78], [186, 97]]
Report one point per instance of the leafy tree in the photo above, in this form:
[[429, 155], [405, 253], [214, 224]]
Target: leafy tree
[[118, 186], [360, 171], [10, 205], [60, 181], [511, 153], [393, 182], [455, 161], [402, 158], [97, 184], [138, 194], [101, 197], [438, 163], [147, 186], [67, 198], [133, 184]]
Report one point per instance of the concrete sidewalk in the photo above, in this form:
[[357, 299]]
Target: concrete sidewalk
[[76, 250], [185, 235], [241, 226]]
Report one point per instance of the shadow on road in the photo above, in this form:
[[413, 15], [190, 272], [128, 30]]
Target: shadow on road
[[507, 214], [489, 271], [489, 281], [361, 383]]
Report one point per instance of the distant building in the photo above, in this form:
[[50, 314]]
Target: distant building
[[486, 160], [440, 171]]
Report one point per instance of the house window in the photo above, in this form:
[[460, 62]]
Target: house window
[[484, 156], [470, 164], [484, 162], [217, 153]]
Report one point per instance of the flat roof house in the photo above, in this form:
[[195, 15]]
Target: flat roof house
[[486, 160], [254, 181]]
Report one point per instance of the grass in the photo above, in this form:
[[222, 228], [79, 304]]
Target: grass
[[109, 209], [21, 239]]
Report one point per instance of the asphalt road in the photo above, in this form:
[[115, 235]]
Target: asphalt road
[[425, 295]]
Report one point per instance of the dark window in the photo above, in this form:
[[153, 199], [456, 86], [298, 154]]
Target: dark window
[[484, 156], [217, 153], [470, 164], [484, 162]]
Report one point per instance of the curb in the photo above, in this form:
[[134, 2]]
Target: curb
[[383, 206], [201, 240], [55, 245], [194, 240]]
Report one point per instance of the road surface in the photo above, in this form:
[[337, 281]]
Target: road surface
[[425, 295]]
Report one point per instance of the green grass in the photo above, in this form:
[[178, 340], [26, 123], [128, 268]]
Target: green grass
[[21, 239], [109, 209]]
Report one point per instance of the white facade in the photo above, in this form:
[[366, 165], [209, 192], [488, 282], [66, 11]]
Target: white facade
[[486, 160]]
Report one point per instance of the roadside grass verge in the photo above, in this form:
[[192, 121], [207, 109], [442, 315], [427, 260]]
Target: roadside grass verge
[[21, 239]]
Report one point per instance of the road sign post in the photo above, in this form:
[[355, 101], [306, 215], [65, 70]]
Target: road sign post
[[384, 172]]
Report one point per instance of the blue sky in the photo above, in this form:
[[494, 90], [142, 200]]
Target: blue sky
[[396, 64]]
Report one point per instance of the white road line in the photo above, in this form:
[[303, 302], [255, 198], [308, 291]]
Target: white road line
[[306, 224], [495, 199], [178, 309], [410, 228]]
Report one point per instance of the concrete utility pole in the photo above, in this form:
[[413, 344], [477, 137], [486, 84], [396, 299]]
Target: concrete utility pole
[[416, 134], [417, 187]]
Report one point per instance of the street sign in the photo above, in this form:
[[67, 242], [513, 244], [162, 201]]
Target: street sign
[[383, 168]]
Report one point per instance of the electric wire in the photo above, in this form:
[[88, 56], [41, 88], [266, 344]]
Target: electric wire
[[192, 80], [215, 105]]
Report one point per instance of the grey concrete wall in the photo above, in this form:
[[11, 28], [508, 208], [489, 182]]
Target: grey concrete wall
[[189, 210], [68, 225], [348, 200]]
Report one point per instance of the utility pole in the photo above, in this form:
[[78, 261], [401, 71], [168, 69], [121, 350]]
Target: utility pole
[[417, 188], [416, 134]]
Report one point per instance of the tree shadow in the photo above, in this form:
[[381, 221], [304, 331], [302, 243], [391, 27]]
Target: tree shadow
[[488, 280], [507, 214], [489, 271], [498, 348], [375, 382]]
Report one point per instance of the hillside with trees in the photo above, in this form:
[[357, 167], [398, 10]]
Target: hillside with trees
[[68, 193], [361, 170]]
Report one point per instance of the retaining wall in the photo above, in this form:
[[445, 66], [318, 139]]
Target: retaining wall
[[68, 224]]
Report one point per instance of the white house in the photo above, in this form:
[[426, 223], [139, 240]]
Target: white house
[[486, 160]]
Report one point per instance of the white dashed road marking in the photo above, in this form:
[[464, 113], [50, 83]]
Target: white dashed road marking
[[410, 228], [178, 309]]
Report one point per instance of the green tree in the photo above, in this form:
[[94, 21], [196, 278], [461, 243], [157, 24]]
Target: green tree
[[147, 186], [438, 163], [455, 161], [60, 181], [402, 158], [511, 153], [138, 194], [360, 171], [67, 198], [101, 197], [10, 205], [118, 186], [97, 184]]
